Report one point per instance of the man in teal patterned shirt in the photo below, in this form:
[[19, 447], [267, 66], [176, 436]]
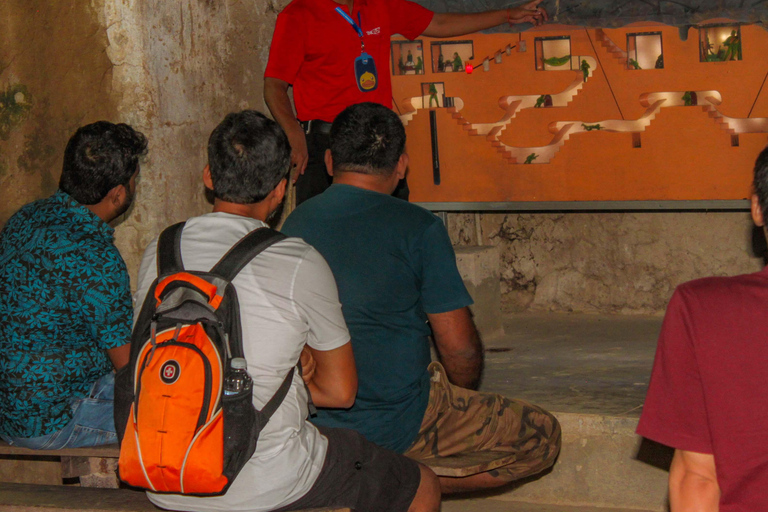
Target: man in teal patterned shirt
[[66, 310]]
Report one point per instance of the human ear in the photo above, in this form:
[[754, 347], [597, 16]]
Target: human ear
[[757, 211], [207, 179]]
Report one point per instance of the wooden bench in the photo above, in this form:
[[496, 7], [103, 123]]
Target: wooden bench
[[93, 467], [58, 498], [469, 463]]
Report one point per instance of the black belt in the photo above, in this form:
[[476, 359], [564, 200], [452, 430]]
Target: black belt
[[316, 125]]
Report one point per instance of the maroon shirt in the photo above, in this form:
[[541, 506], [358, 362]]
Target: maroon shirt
[[314, 49], [709, 386]]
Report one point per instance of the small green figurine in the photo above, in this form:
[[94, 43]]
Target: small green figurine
[[733, 45], [687, 99], [409, 58], [458, 64], [590, 127], [540, 101], [556, 61], [401, 65], [585, 68], [433, 95], [660, 62], [531, 158], [440, 63], [419, 65], [634, 64]]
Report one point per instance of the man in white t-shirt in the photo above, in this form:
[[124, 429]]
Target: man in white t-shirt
[[289, 309]]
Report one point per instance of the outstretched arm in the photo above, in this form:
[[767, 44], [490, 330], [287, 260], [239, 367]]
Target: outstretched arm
[[457, 24], [459, 346], [276, 98], [693, 483]]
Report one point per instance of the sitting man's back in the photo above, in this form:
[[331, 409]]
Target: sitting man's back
[[708, 397], [396, 270], [66, 308], [289, 309]]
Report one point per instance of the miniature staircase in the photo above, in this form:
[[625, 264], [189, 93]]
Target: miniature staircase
[[719, 118], [612, 48]]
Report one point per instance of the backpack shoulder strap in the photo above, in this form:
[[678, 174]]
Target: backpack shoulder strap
[[169, 250], [244, 251], [270, 407]]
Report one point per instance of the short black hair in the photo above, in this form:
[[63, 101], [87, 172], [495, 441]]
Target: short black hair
[[99, 157], [367, 138], [248, 155], [760, 182]]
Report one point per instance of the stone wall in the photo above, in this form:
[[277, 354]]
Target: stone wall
[[170, 69], [54, 76], [179, 68], [608, 262]]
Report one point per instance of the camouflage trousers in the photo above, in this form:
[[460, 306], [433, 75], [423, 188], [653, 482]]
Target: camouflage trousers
[[459, 420]]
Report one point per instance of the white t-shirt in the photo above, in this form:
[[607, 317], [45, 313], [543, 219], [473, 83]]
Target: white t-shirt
[[287, 297]]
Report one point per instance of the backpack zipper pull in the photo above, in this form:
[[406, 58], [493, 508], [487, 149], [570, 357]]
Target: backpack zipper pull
[[152, 340]]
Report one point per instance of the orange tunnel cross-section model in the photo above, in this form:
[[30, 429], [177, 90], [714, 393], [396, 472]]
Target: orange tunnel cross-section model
[[636, 137]]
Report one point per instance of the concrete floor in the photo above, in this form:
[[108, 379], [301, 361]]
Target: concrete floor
[[597, 364], [581, 364]]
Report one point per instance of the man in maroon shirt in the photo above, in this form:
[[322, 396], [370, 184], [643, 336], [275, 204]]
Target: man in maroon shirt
[[323, 47], [708, 396]]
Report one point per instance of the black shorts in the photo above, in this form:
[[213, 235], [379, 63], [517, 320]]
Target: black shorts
[[360, 475]]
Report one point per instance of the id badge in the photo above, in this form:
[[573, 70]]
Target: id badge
[[365, 73]]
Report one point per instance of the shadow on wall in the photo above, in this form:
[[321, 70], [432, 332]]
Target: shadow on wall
[[655, 454]]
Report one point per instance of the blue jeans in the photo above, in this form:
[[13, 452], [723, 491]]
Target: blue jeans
[[92, 422]]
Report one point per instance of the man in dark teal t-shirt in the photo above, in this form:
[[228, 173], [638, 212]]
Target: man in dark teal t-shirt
[[398, 284]]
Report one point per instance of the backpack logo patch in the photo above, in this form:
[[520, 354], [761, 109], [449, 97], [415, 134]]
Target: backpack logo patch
[[169, 372]]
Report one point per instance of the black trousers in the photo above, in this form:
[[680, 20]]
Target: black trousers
[[316, 178]]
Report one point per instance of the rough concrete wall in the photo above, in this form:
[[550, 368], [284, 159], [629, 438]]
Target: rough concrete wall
[[170, 69], [54, 76], [179, 67], [607, 262]]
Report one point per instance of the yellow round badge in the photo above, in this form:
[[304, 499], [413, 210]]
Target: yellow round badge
[[367, 81]]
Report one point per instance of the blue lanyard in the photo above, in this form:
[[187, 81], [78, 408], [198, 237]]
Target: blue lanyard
[[355, 26]]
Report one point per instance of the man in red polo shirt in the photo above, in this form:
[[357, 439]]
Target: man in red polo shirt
[[335, 53], [708, 396]]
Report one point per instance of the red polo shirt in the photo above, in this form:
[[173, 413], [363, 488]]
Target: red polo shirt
[[709, 386], [314, 48]]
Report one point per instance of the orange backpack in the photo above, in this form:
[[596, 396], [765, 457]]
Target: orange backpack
[[180, 430]]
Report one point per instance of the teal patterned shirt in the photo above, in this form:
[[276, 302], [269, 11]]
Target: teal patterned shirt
[[65, 300]]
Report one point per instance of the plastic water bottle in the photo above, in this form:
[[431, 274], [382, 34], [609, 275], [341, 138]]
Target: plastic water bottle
[[237, 379]]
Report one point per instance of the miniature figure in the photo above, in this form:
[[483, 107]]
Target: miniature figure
[[590, 127], [458, 64], [585, 68], [733, 45], [531, 158], [556, 61], [634, 64], [433, 95]]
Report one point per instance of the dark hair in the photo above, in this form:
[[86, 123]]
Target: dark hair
[[760, 182], [249, 155], [99, 157], [367, 138]]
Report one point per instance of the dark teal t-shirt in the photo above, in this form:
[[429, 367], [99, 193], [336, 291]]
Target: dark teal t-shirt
[[393, 263]]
